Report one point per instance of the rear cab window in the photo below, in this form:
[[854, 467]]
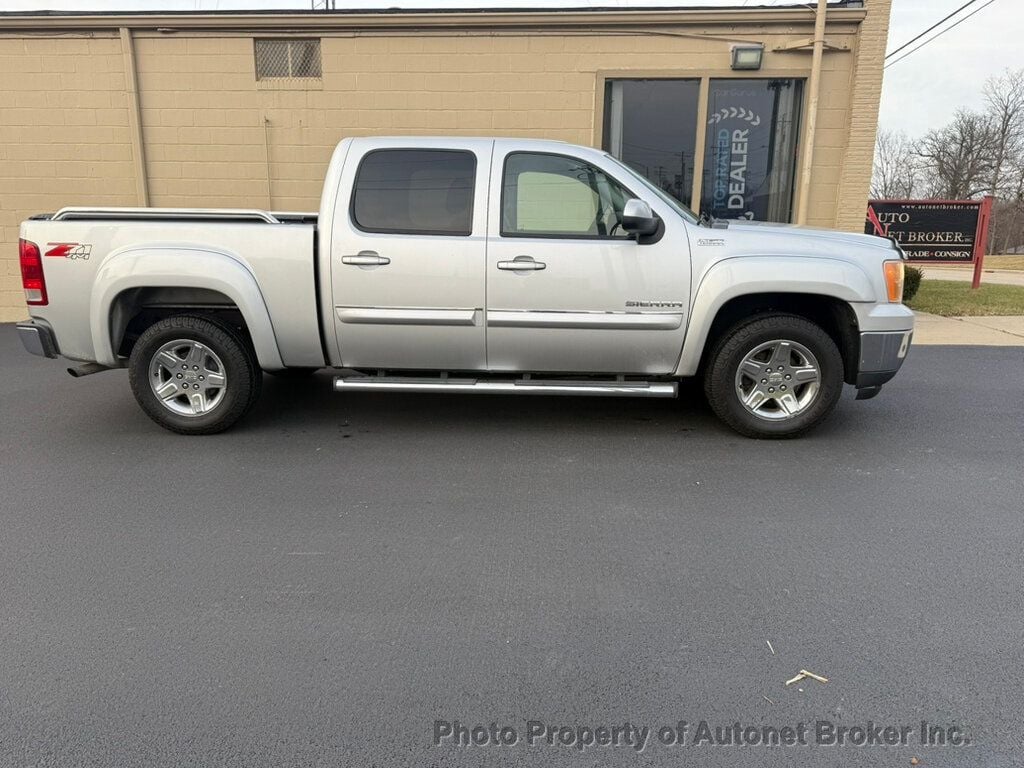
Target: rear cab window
[[415, 192]]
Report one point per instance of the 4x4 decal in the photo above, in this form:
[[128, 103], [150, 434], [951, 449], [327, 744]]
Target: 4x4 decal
[[69, 250]]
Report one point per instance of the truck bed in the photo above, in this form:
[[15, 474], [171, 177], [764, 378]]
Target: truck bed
[[101, 246]]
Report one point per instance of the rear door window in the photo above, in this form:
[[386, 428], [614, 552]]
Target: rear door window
[[415, 192]]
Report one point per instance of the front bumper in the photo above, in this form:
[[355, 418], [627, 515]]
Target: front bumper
[[881, 356], [38, 339]]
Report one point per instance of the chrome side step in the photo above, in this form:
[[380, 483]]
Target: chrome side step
[[506, 387]]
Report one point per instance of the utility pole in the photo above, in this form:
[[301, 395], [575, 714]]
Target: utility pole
[[812, 111]]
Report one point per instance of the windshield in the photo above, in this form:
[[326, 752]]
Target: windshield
[[683, 211]]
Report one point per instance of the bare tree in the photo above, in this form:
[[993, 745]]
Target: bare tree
[[976, 153], [1008, 213], [958, 158], [1004, 98], [896, 172]]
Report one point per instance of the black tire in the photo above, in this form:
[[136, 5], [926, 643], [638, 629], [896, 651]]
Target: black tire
[[243, 376], [720, 382]]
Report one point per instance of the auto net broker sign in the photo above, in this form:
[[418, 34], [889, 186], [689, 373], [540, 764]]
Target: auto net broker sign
[[928, 230]]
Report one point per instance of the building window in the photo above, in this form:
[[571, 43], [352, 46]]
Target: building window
[[415, 192], [277, 59], [750, 149], [547, 195], [651, 125]]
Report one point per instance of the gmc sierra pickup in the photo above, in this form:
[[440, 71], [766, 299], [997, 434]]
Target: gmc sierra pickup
[[467, 265]]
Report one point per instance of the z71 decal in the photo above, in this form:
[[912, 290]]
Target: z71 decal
[[68, 250]]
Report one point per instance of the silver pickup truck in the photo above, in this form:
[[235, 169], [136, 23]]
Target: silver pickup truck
[[468, 265]]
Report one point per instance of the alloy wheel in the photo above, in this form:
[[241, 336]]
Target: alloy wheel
[[778, 380], [187, 377]]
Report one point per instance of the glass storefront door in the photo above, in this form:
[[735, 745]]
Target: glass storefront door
[[750, 145], [651, 125], [750, 149]]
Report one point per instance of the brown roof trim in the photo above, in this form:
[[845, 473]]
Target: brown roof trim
[[421, 20]]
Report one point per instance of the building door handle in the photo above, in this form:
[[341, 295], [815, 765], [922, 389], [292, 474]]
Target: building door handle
[[366, 259], [522, 264]]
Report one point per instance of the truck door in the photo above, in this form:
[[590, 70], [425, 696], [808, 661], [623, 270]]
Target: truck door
[[567, 289], [408, 254]]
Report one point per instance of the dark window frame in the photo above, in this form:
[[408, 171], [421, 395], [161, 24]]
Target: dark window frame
[[568, 236], [427, 232]]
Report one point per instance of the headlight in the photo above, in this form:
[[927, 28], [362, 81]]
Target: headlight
[[894, 280]]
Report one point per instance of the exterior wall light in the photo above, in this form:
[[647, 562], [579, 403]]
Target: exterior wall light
[[747, 56]]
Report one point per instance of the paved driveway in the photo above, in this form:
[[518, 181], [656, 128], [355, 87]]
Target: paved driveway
[[321, 584]]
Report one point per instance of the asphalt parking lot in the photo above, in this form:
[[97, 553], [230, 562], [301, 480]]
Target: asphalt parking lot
[[321, 584]]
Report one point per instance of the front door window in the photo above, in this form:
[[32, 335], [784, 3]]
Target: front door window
[[546, 195]]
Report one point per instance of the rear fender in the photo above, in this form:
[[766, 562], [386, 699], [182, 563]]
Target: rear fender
[[180, 267]]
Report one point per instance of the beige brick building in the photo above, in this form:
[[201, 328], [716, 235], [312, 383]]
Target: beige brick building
[[244, 109]]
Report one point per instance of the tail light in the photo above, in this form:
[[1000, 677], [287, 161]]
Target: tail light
[[32, 278]]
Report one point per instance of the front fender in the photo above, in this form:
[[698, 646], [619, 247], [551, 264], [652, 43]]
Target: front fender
[[180, 267], [744, 276]]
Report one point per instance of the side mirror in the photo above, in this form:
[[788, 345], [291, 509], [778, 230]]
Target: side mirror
[[638, 218]]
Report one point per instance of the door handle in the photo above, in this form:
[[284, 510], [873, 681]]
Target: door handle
[[522, 264], [366, 259]]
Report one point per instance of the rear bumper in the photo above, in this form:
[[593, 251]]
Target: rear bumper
[[881, 356], [38, 339]]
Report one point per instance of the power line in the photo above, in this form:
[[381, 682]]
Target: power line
[[933, 26], [940, 34]]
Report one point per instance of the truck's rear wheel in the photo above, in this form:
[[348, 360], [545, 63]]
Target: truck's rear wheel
[[193, 375], [774, 376]]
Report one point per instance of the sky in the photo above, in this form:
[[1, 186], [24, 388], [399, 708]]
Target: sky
[[918, 93], [923, 91]]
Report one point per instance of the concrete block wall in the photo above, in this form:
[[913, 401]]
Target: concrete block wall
[[63, 138], [214, 135], [865, 97]]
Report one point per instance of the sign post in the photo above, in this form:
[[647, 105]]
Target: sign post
[[934, 231], [981, 239]]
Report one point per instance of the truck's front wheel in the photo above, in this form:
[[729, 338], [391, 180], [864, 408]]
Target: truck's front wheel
[[193, 375], [774, 376]]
